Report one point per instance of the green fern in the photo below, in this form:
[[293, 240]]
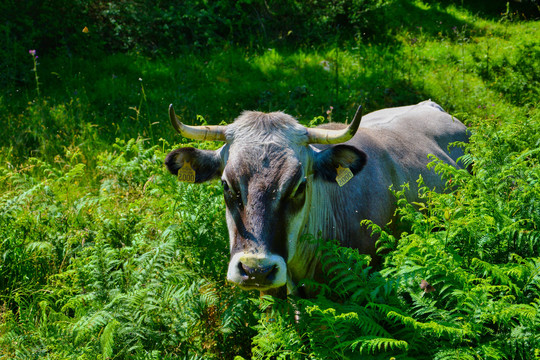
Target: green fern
[[107, 339], [371, 345]]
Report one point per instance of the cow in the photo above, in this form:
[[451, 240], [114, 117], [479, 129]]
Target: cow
[[282, 180]]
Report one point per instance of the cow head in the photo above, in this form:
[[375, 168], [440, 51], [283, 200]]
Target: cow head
[[268, 169]]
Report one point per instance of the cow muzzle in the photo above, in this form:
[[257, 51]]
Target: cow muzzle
[[257, 271]]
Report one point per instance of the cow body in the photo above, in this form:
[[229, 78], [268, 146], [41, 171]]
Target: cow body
[[278, 187]]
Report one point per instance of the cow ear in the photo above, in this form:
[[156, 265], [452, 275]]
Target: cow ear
[[205, 163], [328, 160]]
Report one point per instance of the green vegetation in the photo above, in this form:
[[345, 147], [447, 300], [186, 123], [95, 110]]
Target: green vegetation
[[104, 255]]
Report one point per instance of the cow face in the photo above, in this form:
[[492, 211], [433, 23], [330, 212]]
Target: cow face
[[268, 171], [267, 194]]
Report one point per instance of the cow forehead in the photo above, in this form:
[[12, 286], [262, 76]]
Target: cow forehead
[[258, 127], [270, 166], [265, 145]]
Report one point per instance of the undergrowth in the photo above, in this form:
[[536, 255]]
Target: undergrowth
[[122, 261]]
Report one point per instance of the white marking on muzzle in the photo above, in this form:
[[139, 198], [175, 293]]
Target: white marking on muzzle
[[272, 267]]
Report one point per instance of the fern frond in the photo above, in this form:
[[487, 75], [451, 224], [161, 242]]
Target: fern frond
[[467, 160], [498, 273], [90, 324], [367, 345], [455, 354], [383, 309], [107, 338], [429, 327], [40, 247], [371, 326], [521, 311]]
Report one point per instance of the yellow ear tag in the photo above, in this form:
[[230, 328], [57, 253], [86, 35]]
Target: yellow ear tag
[[186, 173], [343, 175]]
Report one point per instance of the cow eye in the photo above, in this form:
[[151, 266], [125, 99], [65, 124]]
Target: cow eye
[[301, 188], [225, 185]]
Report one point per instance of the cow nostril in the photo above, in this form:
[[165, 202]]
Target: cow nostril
[[272, 273], [258, 272], [244, 269]]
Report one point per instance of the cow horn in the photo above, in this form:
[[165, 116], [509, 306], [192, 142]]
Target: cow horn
[[206, 132], [326, 136]]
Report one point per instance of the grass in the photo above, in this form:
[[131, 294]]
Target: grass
[[124, 95], [105, 255]]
